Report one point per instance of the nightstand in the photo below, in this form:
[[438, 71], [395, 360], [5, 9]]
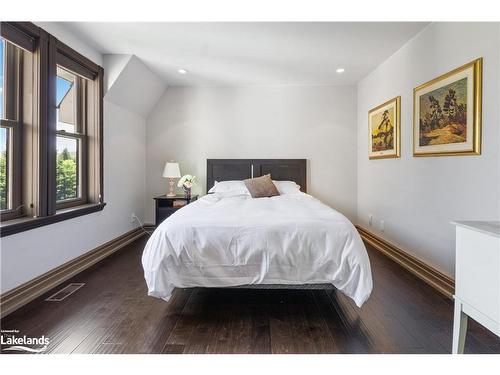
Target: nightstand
[[165, 206]]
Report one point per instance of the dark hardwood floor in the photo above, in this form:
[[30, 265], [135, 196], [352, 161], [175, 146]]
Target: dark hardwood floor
[[113, 314]]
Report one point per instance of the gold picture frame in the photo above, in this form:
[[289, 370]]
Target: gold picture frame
[[447, 113], [384, 130]]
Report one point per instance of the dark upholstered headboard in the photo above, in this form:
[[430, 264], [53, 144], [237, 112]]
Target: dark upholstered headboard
[[240, 169]]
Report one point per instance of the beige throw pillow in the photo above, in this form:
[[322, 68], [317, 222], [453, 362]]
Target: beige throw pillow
[[260, 187]]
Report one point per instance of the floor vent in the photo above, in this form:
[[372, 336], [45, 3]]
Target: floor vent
[[65, 292]]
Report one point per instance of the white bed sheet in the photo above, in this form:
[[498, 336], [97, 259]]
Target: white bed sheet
[[221, 241]]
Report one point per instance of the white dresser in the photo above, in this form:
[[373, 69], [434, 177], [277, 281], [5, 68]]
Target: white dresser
[[477, 278]]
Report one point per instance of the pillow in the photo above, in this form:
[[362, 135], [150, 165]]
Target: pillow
[[287, 187], [261, 187], [233, 187]]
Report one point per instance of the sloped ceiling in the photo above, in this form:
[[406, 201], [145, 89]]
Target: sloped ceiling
[[130, 84], [114, 65]]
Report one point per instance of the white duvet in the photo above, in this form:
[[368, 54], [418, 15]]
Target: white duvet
[[221, 241]]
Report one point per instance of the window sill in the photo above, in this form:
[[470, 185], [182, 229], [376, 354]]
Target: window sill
[[23, 224]]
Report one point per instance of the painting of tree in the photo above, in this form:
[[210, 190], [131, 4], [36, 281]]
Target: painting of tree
[[447, 113], [383, 124], [443, 114], [383, 134]]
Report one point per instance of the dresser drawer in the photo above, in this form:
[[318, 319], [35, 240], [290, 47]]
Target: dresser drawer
[[478, 271]]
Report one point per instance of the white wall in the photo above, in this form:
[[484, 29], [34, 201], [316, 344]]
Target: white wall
[[318, 123], [418, 197], [29, 254]]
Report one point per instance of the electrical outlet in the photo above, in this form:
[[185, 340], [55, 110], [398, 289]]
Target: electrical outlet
[[370, 220], [382, 226], [132, 217]]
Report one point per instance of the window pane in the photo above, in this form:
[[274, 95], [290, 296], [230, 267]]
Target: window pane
[[4, 172], [2, 44], [67, 181], [66, 101]]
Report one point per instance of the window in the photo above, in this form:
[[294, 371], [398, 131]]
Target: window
[[51, 130], [11, 96], [2, 64], [70, 108], [4, 133], [4, 172]]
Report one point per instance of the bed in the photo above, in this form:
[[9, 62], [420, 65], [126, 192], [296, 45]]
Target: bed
[[233, 240]]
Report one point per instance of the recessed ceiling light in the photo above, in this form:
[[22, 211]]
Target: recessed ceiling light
[[340, 70], [182, 71]]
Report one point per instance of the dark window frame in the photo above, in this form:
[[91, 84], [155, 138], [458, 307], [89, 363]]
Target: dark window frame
[[13, 121], [39, 177], [80, 135]]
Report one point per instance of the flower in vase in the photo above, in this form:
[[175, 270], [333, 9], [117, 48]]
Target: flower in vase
[[187, 181]]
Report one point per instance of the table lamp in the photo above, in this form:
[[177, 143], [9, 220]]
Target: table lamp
[[171, 171]]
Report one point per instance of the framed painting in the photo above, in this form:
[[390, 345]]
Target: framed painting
[[383, 130], [447, 113]]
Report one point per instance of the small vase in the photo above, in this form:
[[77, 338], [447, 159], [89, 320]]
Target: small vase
[[187, 192]]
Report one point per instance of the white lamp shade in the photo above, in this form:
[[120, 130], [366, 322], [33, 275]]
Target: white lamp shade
[[171, 170]]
